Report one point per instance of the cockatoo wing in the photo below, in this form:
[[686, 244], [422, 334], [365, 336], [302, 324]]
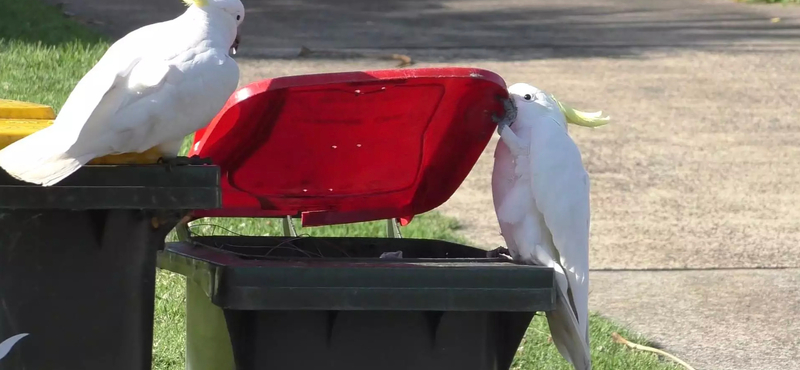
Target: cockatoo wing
[[503, 180], [112, 126], [528, 237], [130, 101], [42, 157], [194, 87], [108, 73], [560, 187], [62, 148]]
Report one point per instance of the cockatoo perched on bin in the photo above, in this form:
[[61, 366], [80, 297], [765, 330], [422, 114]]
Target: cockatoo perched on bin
[[541, 197], [152, 87]]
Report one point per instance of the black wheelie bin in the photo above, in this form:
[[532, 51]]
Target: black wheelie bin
[[78, 259], [341, 148]]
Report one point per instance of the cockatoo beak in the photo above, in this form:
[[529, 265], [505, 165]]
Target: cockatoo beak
[[235, 46]]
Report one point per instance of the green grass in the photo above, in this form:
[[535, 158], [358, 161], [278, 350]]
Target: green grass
[[536, 352], [430, 225], [43, 55]]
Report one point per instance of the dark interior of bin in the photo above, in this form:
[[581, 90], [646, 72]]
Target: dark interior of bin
[[340, 248]]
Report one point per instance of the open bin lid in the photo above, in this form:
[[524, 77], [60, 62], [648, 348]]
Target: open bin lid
[[350, 147]]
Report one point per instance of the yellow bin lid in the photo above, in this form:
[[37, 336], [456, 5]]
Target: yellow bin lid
[[12, 109], [19, 119]]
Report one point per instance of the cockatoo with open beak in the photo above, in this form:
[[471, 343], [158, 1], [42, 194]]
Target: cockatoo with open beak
[[152, 87], [541, 196]]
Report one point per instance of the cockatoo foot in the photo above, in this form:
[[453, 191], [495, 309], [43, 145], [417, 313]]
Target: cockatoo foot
[[194, 160], [510, 114], [500, 252]]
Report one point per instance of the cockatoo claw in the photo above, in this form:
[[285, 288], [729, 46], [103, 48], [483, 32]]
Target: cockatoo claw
[[500, 252], [194, 160], [508, 118]]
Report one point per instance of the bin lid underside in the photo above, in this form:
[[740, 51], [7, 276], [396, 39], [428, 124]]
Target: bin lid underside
[[350, 147]]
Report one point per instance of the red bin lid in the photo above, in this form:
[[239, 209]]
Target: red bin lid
[[350, 147]]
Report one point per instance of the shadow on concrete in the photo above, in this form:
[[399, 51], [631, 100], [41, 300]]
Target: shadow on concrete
[[487, 29]]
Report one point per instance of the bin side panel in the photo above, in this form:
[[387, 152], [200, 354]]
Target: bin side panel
[[81, 283], [386, 340], [208, 344]]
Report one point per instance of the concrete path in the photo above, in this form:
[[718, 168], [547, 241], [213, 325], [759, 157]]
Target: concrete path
[[698, 175]]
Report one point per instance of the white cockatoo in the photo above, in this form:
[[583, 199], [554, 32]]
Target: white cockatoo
[[152, 87], [541, 196]]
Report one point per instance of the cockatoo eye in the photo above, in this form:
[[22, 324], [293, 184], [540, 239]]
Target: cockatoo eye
[[527, 97], [238, 17]]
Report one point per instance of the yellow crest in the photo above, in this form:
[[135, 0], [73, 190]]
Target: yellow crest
[[198, 3], [579, 118]]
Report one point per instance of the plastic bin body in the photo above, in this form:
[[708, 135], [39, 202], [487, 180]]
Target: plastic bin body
[[77, 262], [442, 306]]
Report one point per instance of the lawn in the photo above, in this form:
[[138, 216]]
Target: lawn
[[43, 55]]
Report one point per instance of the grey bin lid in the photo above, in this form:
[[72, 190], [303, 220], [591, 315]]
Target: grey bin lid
[[434, 275]]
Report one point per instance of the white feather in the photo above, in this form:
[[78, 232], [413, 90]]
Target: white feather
[[154, 86], [541, 196], [9, 343]]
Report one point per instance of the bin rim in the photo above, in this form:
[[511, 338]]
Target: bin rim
[[316, 284]]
